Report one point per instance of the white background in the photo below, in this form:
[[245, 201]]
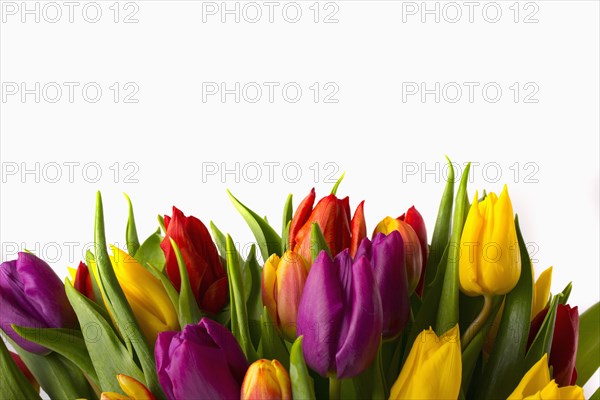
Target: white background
[[390, 144]]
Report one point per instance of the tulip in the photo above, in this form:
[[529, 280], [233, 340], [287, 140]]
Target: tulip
[[203, 361], [282, 284], [208, 278], [333, 217], [433, 368], [413, 256], [25, 371], [82, 281], [415, 220], [266, 380], [490, 262], [386, 254], [146, 295], [536, 385], [33, 296], [340, 316], [564, 342], [541, 292], [133, 389]]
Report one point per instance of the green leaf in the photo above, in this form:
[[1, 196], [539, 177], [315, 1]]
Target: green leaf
[[317, 241], [187, 309], [119, 307], [219, 238], [14, 383], [441, 231], [67, 342], [302, 383], [267, 239], [337, 184], [542, 343], [254, 301], [151, 252], [566, 293], [448, 311], [500, 376], [91, 262], [288, 212], [239, 314], [133, 243], [272, 345], [588, 350], [370, 384], [107, 353]]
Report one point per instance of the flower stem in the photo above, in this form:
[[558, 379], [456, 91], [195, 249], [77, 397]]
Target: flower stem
[[478, 323], [335, 388]]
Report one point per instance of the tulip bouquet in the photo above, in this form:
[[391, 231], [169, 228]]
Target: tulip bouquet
[[331, 312]]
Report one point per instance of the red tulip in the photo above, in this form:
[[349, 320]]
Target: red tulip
[[83, 281], [333, 216], [208, 278], [564, 342], [415, 220]]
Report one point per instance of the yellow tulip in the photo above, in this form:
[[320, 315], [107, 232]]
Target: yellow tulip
[[266, 380], [490, 262], [433, 369], [133, 389], [541, 292], [536, 385], [146, 295]]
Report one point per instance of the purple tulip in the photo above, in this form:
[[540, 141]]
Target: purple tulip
[[203, 361], [33, 296], [386, 254], [340, 316]]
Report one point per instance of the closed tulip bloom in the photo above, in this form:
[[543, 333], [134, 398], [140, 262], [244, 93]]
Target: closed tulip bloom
[[433, 368], [536, 385], [340, 316], [413, 256], [203, 361], [282, 284], [207, 275], [415, 220], [490, 262], [564, 342], [266, 380], [333, 216], [33, 296], [386, 254], [541, 292], [145, 294], [25, 371], [82, 281], [133, 389]]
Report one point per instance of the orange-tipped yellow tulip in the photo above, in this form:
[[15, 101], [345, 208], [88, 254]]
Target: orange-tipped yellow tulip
[[266, 380], [146, 295], [536, 385], [541, 292], [133, 389], [490, 262], [282, 285], [433, 369]]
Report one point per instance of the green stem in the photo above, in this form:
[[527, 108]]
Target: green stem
[[478, 323], [335, 388]]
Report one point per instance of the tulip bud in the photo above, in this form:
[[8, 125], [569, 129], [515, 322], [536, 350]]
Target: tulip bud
[[83, 281], [282, 284], [145, 294], [413, 258], [415, 220], [433, 368], [266, 380], [25, 371], [340, 316], [541, 292], [564, 342], [207, 275], [133, 389], [33, 296], [386, 254], [536, 384], [490, 262], [182, 367]]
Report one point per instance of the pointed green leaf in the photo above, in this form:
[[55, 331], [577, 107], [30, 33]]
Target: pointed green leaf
[[588, 350], [187, 310], [317, 241], [151, 252], [566, 293], [272, 345], [254, 301], [219, 238], [288, 212], [91, 262], [132, 241], [543, 340], [448, 311], [500, 376], [441, 231], [267, 239], [302, 383], [14, 383], [337, 184]]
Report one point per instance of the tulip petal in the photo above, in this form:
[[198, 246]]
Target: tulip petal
[[301, 216], [358, 227]]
